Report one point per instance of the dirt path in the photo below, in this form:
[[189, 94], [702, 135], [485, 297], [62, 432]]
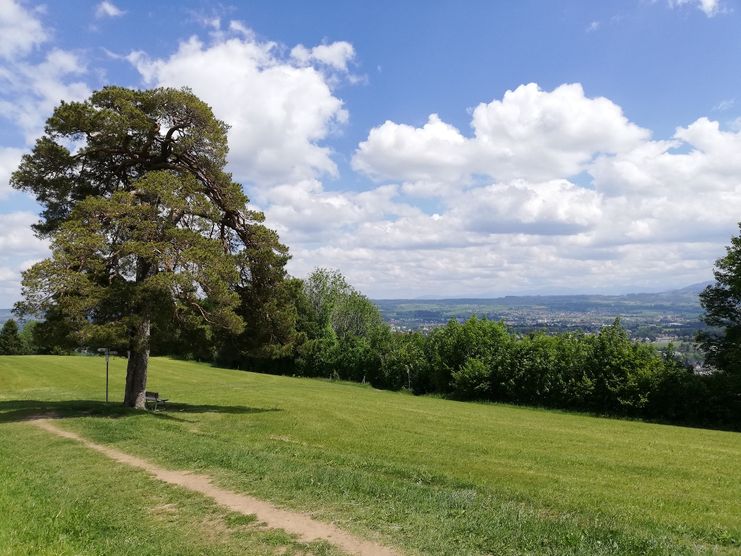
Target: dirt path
[[306, 528]]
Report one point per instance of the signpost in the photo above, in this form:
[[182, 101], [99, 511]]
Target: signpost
[[108, 354]]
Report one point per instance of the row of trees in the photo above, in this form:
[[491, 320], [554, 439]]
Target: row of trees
[[339, 334], [605, 373], [32, 338], [14, 341]]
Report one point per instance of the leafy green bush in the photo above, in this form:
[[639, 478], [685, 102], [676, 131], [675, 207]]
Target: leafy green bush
[[473, 380], [404, 363]]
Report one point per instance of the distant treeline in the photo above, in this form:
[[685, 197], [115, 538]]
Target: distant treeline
[[323, 327], [343, 336], [605, 373], [17, 341]]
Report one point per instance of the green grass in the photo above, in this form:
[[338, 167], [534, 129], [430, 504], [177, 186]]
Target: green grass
[[56, 498], [426, 475]]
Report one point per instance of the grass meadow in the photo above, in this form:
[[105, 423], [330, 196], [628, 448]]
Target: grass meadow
[[424, 475]]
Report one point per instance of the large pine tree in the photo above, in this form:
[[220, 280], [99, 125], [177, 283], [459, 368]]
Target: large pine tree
[[146, 226]]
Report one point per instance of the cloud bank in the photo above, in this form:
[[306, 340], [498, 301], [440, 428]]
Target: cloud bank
[[546, 190]]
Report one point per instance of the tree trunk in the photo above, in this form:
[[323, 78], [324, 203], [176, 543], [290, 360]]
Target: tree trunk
[[136, 370]]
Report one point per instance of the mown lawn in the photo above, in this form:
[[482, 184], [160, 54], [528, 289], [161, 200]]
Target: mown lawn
[[425, 475]]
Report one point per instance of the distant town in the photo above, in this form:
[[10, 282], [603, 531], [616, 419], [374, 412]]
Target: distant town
[[656, 318]]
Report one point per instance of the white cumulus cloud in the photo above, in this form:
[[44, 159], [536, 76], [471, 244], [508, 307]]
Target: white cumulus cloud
[[434, 152], [552, 191], [19, 248], [549, 208], [540, 135], [17, 237], [9, 159], [529, 134], [700, 158], [30, 89], [20, 29], [108, 9], [336, 55], [279, 110], [708, 7]]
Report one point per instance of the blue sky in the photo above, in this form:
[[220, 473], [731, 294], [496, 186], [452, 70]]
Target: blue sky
[[427, 148]]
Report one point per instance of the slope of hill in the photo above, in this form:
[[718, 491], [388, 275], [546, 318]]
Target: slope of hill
[[424, 475]]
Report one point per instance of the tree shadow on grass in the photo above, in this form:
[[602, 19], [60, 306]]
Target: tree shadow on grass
[[13, 411]]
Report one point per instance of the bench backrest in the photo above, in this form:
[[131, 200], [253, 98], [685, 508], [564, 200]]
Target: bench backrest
[[152, 395]]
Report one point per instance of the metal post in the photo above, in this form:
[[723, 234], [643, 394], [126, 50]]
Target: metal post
[[107, 355]]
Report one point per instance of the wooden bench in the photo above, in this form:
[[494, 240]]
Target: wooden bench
[[155, 398]]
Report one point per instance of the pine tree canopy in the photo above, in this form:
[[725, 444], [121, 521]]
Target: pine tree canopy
[[144, 222]]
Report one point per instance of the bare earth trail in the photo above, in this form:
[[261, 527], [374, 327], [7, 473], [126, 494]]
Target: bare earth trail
[[301, 525]]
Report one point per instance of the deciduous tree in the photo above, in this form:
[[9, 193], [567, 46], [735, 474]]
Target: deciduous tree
[[722, 304]]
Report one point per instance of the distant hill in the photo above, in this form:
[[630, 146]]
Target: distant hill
[[691, 289], [694, 288], [684, 297]]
